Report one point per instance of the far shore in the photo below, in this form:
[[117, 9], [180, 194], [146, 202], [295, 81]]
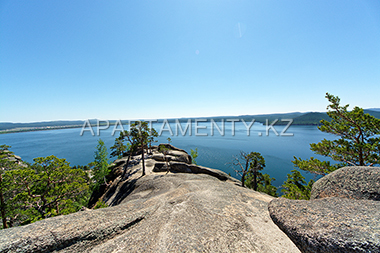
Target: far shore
[[32, 129]]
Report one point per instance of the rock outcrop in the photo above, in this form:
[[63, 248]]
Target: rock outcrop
[[341, 217], [14, 158], [198, 211], [175, 161], [349, 182], [329, 224]]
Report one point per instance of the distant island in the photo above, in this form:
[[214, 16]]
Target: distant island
[[299, 118]]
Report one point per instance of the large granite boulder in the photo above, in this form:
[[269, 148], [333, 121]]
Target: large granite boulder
[[341, 216], [173, 154], [179, 212], [349, 182], [330, 224]]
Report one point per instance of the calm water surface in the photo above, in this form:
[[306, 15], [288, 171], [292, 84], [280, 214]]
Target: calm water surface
[[214, 151]]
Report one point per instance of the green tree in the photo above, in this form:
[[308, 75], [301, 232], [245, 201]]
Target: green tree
[[358, 143], [194, 155], [140, 134], [264, 183], [257, 163], [248, 163], [132, 147], [151, 138], [100, 165], [138, 138], [48, 188], [119, 148], [295, 186], [16, 209], [100, 204], [6, 190]]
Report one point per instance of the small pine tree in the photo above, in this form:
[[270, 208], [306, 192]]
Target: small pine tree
[[264, 184], [194, 155], [6, 189], [119, 148], [100, 204], [248, 164], [295, 186], [100, 165]]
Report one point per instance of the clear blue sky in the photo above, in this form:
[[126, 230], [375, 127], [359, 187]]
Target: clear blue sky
[[166, 59]]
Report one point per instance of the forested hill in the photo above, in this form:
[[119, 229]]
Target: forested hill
[[308, 118], [374, 109], [299, 118], [311, 118]]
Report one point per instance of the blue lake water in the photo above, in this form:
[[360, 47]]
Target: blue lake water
[[215, 151]]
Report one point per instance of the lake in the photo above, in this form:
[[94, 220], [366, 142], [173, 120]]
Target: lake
[[215, 151]]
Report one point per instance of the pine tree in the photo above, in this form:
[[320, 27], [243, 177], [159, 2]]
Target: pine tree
[[264, 184], [118, 149], [5, 165], [295, 186], [249, 163], [100, 165], [194, 155], [358, 143], [47, 188]]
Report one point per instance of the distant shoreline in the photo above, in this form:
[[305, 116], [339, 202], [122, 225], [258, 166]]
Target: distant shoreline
[[49, 126], [34, 129]]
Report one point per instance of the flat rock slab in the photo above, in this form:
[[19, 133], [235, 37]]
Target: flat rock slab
[[329, 224], [164, 213], [354, 182]]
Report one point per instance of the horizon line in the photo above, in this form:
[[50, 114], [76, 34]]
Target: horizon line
[[170, 118]]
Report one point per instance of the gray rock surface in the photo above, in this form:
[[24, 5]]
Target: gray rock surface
[[198, 211], [341, 216], [349, 182], [179, 162], [14, 158], [196, 169], [329, 224], [164, 213]]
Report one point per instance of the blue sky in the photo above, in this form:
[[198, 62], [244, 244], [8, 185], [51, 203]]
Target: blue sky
[[72, 60]]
